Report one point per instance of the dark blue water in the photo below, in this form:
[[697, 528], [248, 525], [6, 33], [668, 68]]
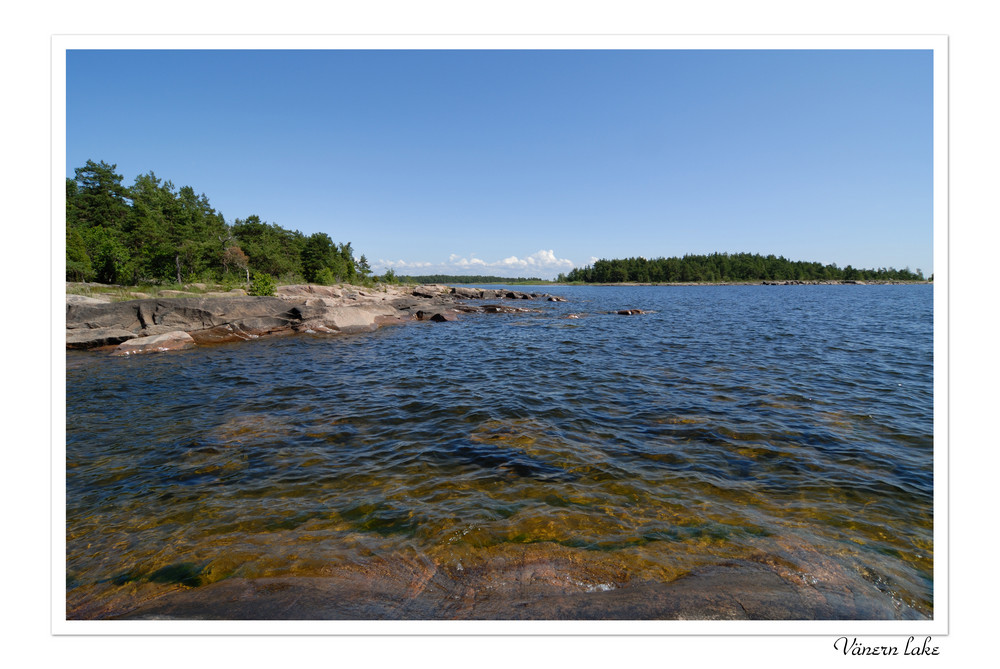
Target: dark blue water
[[790, 422]]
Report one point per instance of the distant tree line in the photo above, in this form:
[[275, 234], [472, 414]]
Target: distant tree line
[[153, 233], [727, 267], [475, 278]]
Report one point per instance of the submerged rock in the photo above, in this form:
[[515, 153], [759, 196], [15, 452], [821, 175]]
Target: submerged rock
[[529, 588]]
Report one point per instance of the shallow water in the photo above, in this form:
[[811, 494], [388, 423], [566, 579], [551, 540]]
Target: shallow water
[[790, 422]]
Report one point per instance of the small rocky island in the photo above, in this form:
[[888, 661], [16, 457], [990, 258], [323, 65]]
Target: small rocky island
[[179, 320]]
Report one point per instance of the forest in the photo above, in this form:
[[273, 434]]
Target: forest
[[154, 233], [717, 267]]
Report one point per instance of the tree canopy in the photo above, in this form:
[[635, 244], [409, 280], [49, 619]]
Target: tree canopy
[[154, 232], [727, 267]]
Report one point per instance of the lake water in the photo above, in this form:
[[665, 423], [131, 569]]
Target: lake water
[[790, 426]]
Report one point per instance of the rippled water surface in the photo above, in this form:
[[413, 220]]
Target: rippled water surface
[[789, 421]]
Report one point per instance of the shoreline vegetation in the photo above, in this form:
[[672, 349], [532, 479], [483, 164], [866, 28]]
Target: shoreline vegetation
[[731, 267], [154, 234]]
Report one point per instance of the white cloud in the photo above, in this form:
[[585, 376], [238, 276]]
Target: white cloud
[[543, 263], [399, 264]]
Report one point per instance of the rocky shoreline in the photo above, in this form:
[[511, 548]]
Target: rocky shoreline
[[177, 321], [180, 319]]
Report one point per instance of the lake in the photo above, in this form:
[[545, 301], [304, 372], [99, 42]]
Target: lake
[[508, 460]]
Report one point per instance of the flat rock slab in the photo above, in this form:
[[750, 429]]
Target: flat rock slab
[[171, 341], [177, 293], [95, 337], [86, 299], [308, 290], [362, 318], [160, 315]]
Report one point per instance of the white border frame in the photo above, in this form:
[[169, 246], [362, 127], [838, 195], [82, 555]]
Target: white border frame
[[936, 43]]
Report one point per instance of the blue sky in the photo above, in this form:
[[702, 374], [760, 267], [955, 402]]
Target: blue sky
[[528, 163]]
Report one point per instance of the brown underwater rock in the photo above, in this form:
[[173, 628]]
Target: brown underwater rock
[[530, 589]]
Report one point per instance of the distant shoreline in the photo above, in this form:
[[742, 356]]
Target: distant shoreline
[[775, 282]]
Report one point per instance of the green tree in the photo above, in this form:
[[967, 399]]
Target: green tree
[[111, 260], [154, 232], [363, 268], [100, 198], [318, 253], [262, 285], [97, 209], [78, 265], [270, 248], [152, 239], [325, 277], [347, 265], [196, 235]]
